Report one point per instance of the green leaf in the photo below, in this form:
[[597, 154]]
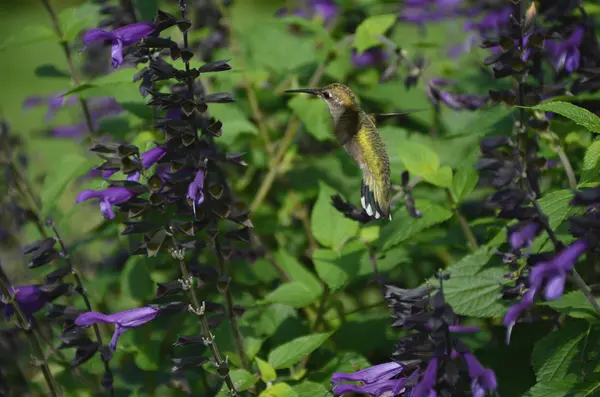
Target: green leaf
[[590, 171], [66, 169], [474, 290], [556, 206], [310, 389], [295, 294], [242, 380], [298, 272], [146, 8], [327, 263], [418, 158], [290, 353], [442, 177], [135, 279], [267, 372], [367, 32], [555, 355], [113, 80], [148, 356], [75, 19], [574, 304], [579, 115], [313, 114], [464, 182], [404, 227], [32, 34], [278, 390], [329, 226]]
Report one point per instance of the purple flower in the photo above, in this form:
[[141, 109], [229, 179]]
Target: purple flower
[[125, 35], [376, 380], [368, 58], [491, 22], [425, 388], [108, 197], [152, 156], [554, 272], [195, 193], [522, 234], [30, 299], [123, 320], [54, 103], [482, 380], [99, 107], [326, 9], [566, 55]]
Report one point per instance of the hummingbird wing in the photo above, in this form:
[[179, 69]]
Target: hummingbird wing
[[371, 155]]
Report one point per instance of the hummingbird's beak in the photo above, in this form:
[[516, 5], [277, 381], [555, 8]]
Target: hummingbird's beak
[[311, 91]]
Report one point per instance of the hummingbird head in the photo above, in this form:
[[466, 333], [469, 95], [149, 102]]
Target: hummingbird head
[[336, 96]]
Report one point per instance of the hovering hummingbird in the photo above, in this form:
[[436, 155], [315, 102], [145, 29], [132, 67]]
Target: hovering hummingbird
[[357, 133]]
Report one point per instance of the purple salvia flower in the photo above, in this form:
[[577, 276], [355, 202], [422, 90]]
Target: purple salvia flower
[[566, 54], [123, 320], [491, 22], [195, 193], [108, 197], [30, 299], [54, 103], [152, 156], [327, 9], [370, 57], [376, 380], [522, 234], [99, 107], [482, 380], [425, 388], [123, 36]]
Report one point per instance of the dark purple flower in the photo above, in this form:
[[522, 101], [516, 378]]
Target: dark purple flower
[[125, 35], [376, 380], [421, 11], [30, 299], [491, 22], [437, 95], [152, 156], [522, 234], [108, 197], [327, 9], [54, 103], [425, 388], [554, 272], [566, 55], [368, 58], [482, 380], [195, 193], [123, 320]]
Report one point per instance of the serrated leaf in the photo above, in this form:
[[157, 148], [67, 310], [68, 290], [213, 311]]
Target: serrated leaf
[[554, 355], [295, 294], [327, 264], [419, 159], [329, 226], [404, 227], [313, 114], [474, 290], [464, 182], [590, 171], [442, 177], [242, 380], [135, 279], [298, 272], [577, 114], [565, 388], [310, 389], [75, 19], [290, 353], [367, 32], [66, 169], [574, 304], [555, 205], [267, 372]]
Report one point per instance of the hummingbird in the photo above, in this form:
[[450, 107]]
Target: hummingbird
[[357, 132]]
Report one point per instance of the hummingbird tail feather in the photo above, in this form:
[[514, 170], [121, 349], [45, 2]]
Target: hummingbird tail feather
[[374, 198]]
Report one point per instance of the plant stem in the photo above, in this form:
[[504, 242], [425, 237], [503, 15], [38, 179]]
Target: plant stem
[[237, 335], [464, 225], [74, 73], [31, 333], [81, 290], [583, 287], [321, 309], [209, 338], [22, 187], [567, 166]]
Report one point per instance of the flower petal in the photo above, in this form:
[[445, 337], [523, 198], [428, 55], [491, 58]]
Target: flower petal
[[555, 286], [374, 389], [90, 318], [117, 53], [106, 209], [130, 34], [371, 374], [150, 157], [88, 194], [96, 35]]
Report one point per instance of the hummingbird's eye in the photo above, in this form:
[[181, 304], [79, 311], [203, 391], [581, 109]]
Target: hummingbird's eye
[[326, 95]]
